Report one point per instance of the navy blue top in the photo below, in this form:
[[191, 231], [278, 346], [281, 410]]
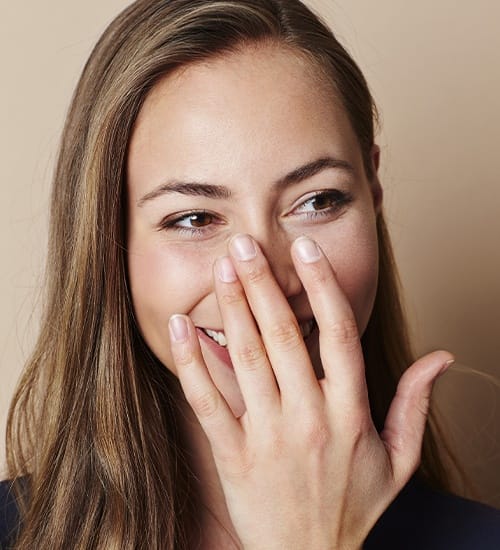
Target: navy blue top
[[9, 520], [419, 519], [424, 519]]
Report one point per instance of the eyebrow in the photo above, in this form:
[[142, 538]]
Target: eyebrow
[[213, 191]]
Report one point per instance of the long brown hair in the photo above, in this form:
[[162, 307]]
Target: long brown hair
[[93, 428]]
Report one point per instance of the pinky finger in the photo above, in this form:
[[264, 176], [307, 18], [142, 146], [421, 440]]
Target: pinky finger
[[214, 414]]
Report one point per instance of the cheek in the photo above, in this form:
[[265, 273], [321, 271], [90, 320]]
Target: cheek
[[353, 254], [164, 281]]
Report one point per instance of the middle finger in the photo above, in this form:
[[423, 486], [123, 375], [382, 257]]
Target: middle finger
[[278, 325]]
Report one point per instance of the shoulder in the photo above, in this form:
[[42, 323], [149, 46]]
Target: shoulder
[[421, 517], [9, 517]]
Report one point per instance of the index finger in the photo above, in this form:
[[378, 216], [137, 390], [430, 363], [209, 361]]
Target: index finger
[[340, 345]]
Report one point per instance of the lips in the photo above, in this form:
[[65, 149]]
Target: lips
[[218, 336]]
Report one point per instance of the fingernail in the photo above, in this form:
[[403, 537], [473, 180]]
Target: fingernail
[[243, 247], [178, 328], [307, 250], [225, 270], [446, 366]]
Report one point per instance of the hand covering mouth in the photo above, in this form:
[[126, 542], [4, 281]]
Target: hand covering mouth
[[218, 336]]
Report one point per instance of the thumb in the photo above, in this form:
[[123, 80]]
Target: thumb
[[405, 423]]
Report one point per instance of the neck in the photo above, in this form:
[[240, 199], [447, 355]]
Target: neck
[[215, 525]]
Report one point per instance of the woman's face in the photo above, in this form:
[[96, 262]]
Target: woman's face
[[251, 142]]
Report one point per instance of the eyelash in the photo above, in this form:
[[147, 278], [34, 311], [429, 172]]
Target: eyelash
[[169, 224], [339, 199]]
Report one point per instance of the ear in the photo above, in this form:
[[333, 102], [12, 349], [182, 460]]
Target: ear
[[375, 187]]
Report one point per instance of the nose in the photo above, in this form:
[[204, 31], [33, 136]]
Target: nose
[[276, 249]]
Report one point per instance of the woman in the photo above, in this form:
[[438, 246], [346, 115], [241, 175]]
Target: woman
[[220, 284]]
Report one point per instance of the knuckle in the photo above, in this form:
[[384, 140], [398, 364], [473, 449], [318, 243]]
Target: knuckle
[[354, 427], [256, 274], [423, 405], [317, 434], [273, 441], [345, 332], [230, 298], [358, 429], [183, 356], [285, 334], [205, 404], [251, 355], [277, 448]]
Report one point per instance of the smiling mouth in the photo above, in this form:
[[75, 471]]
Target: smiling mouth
[[306, 328]]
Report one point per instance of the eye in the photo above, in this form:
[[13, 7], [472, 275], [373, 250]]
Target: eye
[[194, 222], [323, 203], [195, 219]]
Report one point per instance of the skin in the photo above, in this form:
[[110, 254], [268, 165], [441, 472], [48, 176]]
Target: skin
[[229, 123], [281, 432]]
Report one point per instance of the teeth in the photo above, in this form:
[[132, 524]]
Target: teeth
[[219, 337], [306, 328]]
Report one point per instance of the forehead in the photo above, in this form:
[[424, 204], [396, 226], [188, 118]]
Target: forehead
[[265, 68], [263, 107]]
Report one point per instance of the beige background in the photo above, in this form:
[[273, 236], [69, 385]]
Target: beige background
[[434, 69]]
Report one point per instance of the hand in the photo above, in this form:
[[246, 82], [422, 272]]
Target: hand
[[304, 467]]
